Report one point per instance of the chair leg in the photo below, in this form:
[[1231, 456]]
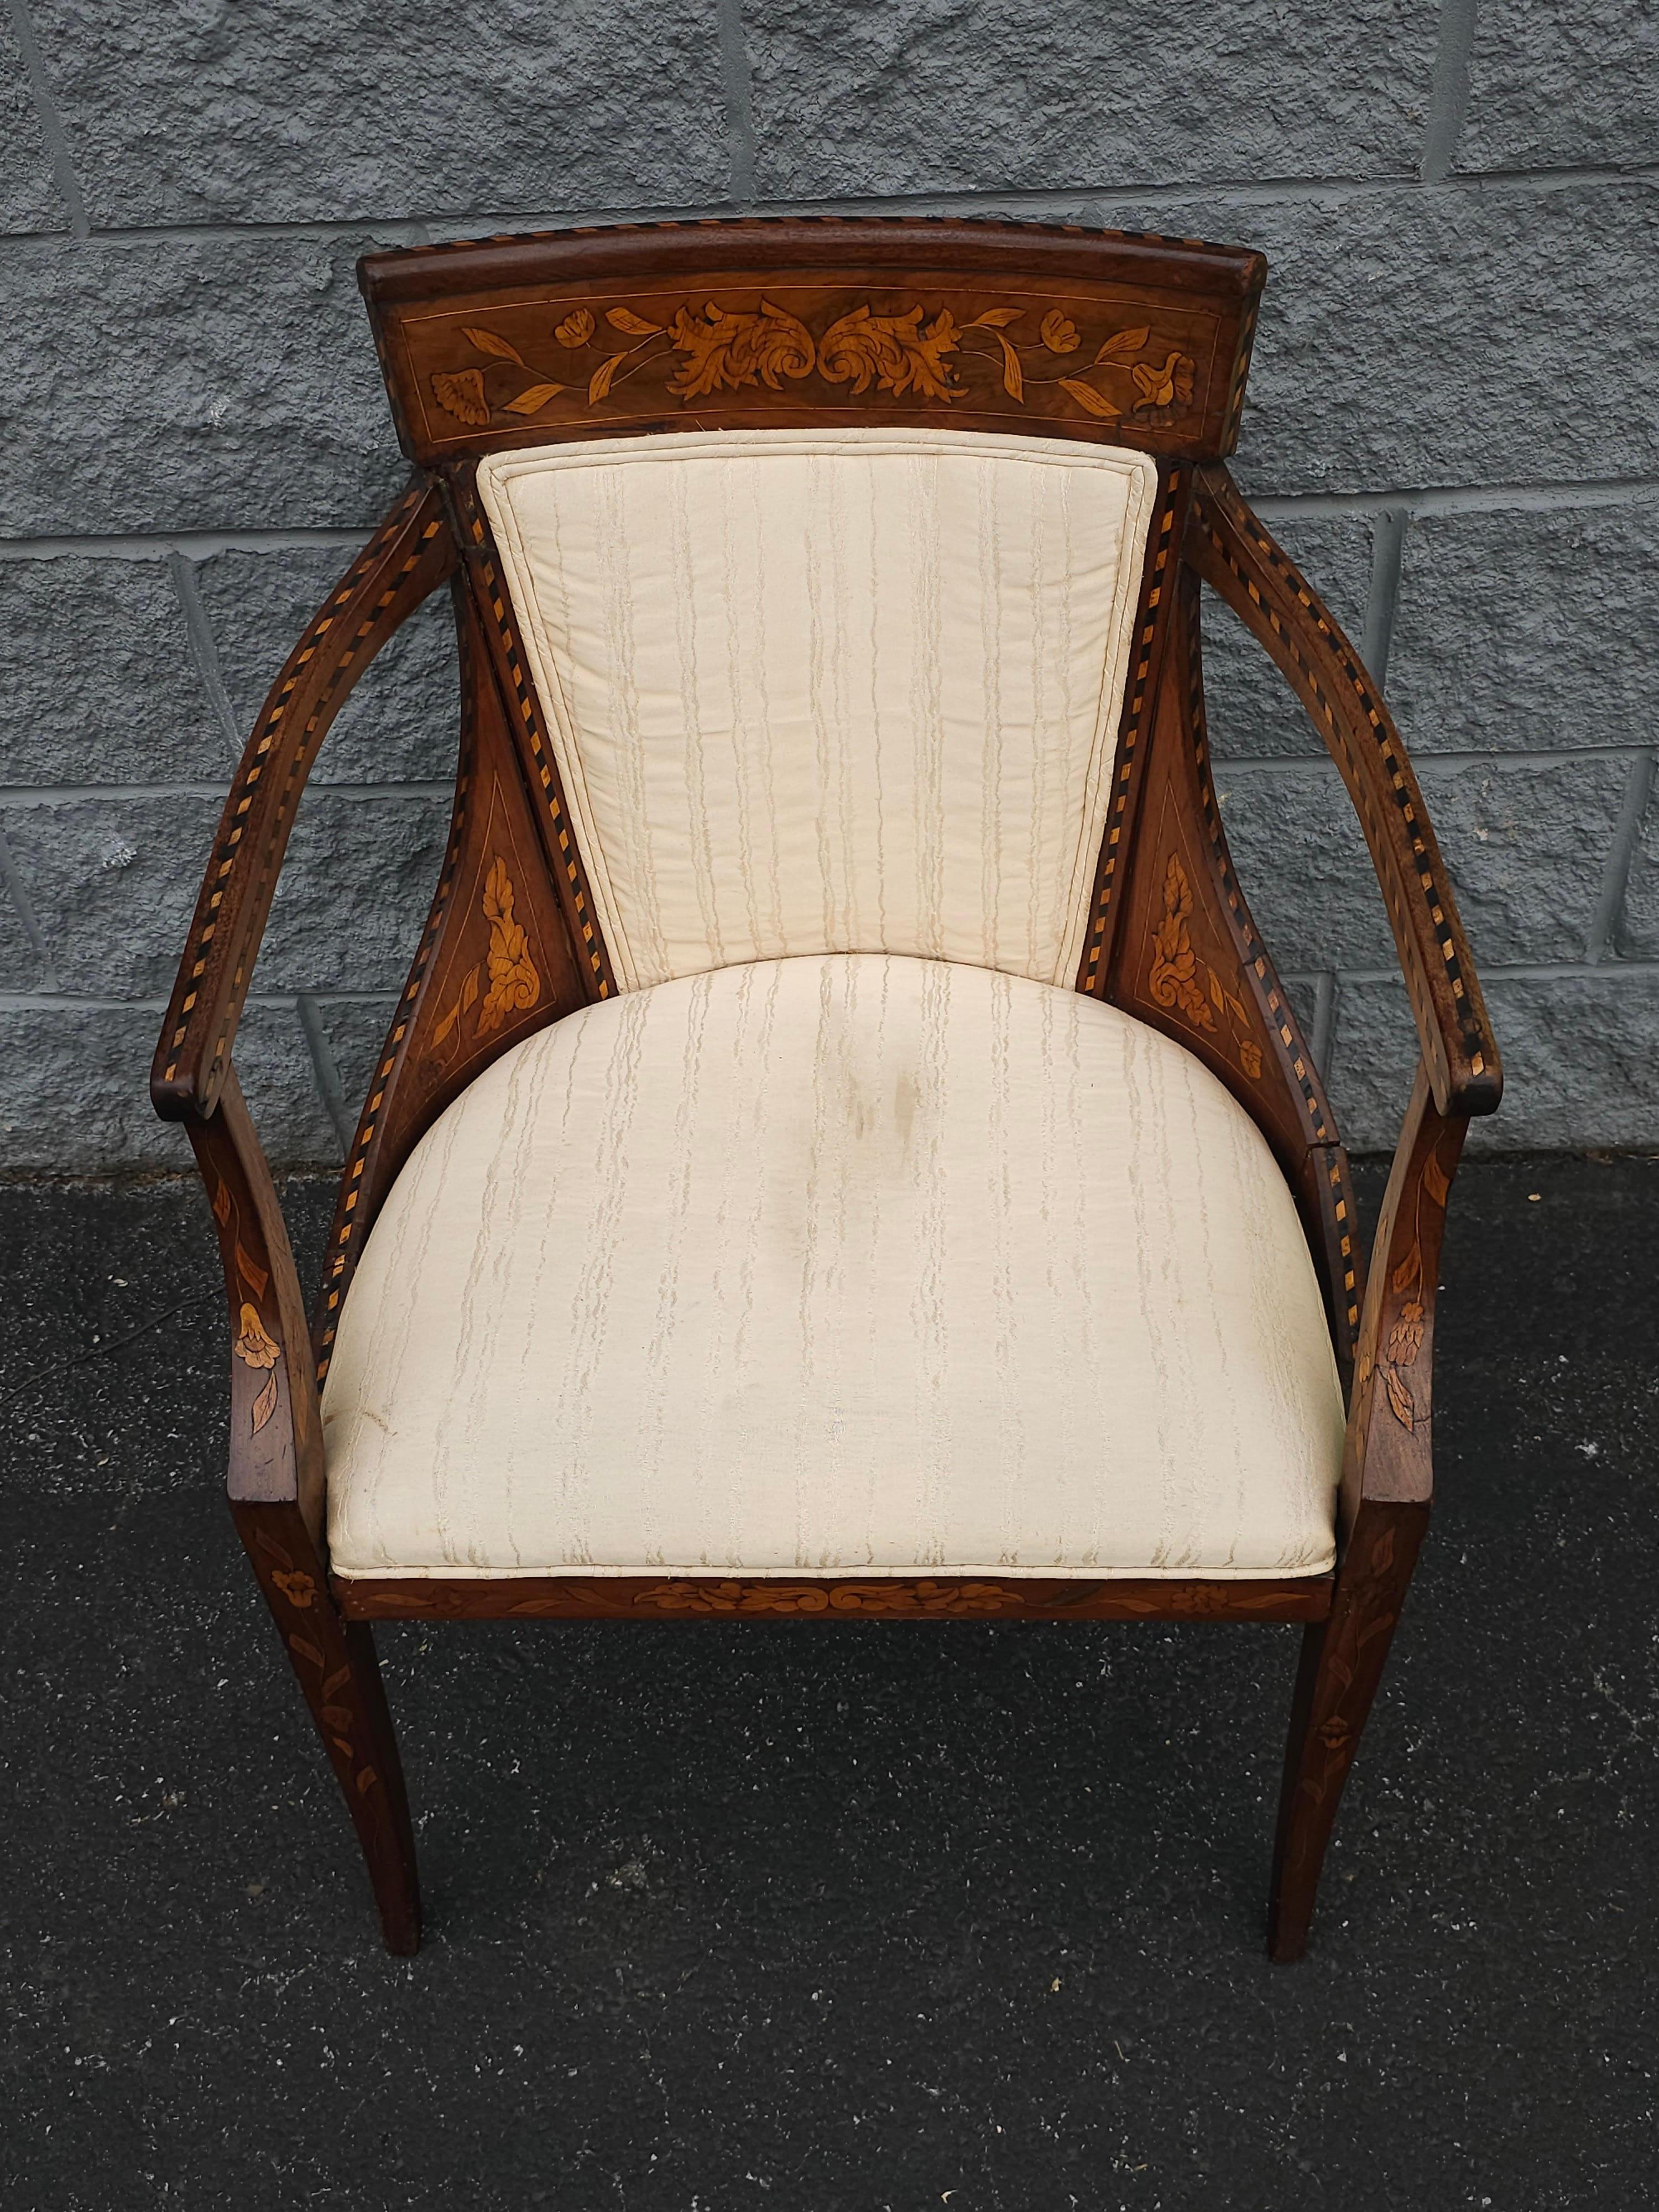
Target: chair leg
[[334, 1659], [1341, 1666]]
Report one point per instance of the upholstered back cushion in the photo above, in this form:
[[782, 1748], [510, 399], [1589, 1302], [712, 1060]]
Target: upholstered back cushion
[[815, 692]]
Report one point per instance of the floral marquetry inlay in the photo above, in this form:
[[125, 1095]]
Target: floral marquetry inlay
[[884, 1597], [569, 358], [513, 983], [1406, 1314], [506, 981], [253, 1345], [1180, 981]]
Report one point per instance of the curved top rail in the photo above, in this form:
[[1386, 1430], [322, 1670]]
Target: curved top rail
[[813, 323]]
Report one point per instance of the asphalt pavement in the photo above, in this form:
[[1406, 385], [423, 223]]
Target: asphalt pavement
[[872, 1916]]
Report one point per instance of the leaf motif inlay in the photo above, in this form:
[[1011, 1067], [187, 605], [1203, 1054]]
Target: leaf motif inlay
[[1123, 345], [916, 350], [600, 383], [1400, 1398], [257, 1349], [532, 401], [251, 1271], [1173, 981], [491, 342], [892, 351], [725, 349], [514, 986], [1409, 1271], [737, 1597], [1013, 381], [1090, 400], [1181, 980]]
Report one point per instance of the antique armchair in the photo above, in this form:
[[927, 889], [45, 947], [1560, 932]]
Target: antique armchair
[[842, 1152]]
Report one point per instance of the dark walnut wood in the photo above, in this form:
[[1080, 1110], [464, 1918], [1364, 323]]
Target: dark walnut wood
[[825, 323], [334, 1659], [407, 557], [1187, 959], [275, 1485], [1388, 1486], [496, 632], [940, 1597], [275, 1425], [1142, 687], [495, 963], [813, 322], [1341, 1666], [1233, 551], [1390, 1425]]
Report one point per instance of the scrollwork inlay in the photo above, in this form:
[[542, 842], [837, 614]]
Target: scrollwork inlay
[[922, 350]]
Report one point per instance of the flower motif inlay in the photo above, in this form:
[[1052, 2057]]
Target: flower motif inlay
[[922, 350]]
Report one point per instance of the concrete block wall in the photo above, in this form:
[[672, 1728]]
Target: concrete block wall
[[1454, 425]]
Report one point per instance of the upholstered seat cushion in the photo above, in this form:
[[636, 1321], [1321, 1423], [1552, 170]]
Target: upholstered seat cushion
[[847, 1263]]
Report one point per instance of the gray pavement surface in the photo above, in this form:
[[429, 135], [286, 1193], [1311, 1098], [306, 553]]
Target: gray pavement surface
[[886, 1915]]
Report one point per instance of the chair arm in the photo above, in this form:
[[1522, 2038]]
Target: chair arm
[[1230, 548], [409, 556], [275, 1419], [1388, 1457]]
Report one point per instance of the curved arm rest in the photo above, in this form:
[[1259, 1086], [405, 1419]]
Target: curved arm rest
[[409, 556], [1388, 1455], [1231, 550], [275, 1420]]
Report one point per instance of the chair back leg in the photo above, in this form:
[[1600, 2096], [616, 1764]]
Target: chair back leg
[[334, 1659], [1341, 1666]]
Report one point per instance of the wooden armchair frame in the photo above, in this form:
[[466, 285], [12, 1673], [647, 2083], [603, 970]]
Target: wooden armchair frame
[[1139, 342]]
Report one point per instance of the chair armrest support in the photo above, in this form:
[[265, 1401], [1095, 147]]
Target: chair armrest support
[[1387, 1458], [275, 1420], [1232, 551], [410, 555]]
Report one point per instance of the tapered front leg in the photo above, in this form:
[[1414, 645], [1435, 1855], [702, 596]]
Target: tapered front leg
[[335, 1661], [1342, 1662]]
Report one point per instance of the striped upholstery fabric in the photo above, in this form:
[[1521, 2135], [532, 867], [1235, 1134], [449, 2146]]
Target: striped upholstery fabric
[[815, 693], [840, 1263]]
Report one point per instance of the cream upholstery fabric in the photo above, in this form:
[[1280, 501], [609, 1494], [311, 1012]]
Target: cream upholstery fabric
[[814, 693], [855, 1263]]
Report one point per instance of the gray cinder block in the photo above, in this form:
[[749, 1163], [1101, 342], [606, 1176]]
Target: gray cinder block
[[1561, 87], [1250, 709], [98, 677], [909, 96], [29, 196], [399, 724], [191, 385], [1579, 1052], [1519, 629], [95, 1059], [186, 115]]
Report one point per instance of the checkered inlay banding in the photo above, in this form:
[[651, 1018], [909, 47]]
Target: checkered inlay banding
[[292, 756], [493, 593], [347, 1220], [1219, 514], [1091, 979]]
